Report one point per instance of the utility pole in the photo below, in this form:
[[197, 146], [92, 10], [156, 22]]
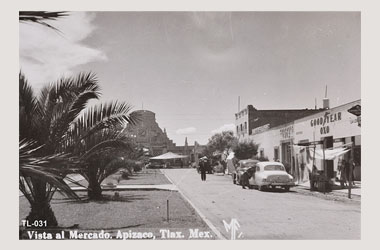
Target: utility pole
[[351, 162], [315, 107], [324, 164]]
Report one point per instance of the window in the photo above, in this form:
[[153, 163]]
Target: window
[[237, 129], [245, 126], [274, 167], [241, 127]]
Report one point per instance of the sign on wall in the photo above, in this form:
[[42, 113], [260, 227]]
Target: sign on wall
[[287, 132], [260, 129], [323, 122], [336, 122]]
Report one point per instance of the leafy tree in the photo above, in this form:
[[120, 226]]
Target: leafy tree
[[220, 143], [245, 150]]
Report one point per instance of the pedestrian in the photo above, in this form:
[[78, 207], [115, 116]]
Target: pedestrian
[[344, 173], [208, 167], [224, 164], [313, 178], [245, 178], [202, 168], [352, 170]]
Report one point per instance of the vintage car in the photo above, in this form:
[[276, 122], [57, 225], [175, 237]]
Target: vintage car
[[271, 174], [243, 165], [155, 164]]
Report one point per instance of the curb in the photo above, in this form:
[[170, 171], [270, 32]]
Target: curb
[[328, 196], [126, 189], [204, 218]]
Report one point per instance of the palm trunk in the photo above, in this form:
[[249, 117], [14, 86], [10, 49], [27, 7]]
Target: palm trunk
[[40, 207], [94, 192], [41, 211], [94, 189]]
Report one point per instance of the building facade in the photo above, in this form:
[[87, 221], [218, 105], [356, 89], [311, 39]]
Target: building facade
[[251, 121], [147, 133], [329, 128]]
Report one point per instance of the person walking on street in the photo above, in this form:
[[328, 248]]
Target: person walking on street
[[344, 173], [202, 168]]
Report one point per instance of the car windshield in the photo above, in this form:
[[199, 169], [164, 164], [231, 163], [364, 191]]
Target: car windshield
[[274, 167]]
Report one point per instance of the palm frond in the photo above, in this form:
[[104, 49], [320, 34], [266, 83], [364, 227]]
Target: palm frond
[[27, 109], [44, 175], [109, 115], [50, 169], [41, 17], [105, 145], [80, 104], [112, 167], [60, 103]]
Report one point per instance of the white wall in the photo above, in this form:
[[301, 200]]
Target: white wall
[[270, 139], [346, 126]]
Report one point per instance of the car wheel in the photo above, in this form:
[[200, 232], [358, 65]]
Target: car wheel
[[287, 188], [261, 188]]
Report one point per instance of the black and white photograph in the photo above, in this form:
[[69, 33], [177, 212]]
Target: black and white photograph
[[190, 125]]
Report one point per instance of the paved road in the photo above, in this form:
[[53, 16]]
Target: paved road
[[267, 215]]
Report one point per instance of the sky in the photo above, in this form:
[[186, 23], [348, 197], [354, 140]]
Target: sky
[[190, 67]]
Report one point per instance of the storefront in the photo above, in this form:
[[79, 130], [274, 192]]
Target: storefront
[[294, 143], [332, 128]]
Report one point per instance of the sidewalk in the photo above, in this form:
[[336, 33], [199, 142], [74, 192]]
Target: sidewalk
[[337, 193], [168, 187]]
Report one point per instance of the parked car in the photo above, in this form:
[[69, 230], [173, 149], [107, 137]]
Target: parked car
[[243, 165], [155, 165], [271, 174]]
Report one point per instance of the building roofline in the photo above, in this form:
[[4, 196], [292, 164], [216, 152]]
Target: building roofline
[[305, 117], [143, 110], [320, 109]]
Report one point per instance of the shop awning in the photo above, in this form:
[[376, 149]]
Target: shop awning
[[168, 156], [329, 154]]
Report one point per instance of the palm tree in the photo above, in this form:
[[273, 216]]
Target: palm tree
[[59, 124], [48, 170], [44, 120], [98, 142]]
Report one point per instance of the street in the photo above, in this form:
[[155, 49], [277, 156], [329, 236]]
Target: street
[[269, 214]]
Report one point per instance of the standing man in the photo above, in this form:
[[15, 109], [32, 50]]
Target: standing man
[[352, 171], [202, 168]]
